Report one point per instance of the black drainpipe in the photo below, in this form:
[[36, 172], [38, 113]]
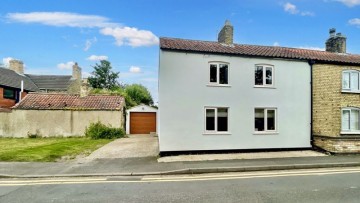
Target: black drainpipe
[[311, 63]]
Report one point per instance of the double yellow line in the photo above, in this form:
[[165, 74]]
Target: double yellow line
[[177, 178]]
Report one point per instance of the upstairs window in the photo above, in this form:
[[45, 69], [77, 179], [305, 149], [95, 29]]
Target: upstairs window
[[350, 120], [219, 73], [264, 75], [216, 120], [9, 94], [350, 81]]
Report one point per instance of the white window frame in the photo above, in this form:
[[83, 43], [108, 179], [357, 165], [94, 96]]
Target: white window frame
[[349, 131], [215, 131], [350, 89], [265, 131], [264, 66], [217, 83]]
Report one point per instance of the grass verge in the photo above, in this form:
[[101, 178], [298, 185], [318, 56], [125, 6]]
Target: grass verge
[[46, 149]]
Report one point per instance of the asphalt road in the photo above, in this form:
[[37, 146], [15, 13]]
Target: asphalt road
[[323, 185]]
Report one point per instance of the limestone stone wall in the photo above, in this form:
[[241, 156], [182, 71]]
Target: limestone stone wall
[[336, 145], [51, 123], [328, 98], [74, 87]]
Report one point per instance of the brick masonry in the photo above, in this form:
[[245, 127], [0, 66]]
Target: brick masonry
[[327, 103], [5, 103]]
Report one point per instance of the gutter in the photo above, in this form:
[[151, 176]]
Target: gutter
[[311, 63]]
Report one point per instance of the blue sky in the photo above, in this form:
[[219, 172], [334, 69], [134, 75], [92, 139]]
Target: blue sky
[[48, 36]]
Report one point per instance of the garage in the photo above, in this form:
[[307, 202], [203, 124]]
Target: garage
[[141, 120], [142, 123]]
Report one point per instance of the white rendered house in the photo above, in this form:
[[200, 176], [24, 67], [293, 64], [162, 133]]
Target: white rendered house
[[225, 96]]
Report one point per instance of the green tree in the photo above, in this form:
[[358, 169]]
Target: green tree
[[139, 94], [103, 77]]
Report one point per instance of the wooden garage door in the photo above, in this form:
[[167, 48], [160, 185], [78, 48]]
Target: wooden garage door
[[142, 123]]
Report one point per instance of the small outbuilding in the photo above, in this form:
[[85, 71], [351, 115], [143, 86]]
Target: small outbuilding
[[141, 119], [51, 115]]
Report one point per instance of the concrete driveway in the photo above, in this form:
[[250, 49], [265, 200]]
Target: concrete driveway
[[131, 147]]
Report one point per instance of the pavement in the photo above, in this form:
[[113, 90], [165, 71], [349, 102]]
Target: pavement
[[136, 156]]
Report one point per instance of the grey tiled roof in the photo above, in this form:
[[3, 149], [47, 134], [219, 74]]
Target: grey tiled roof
[[12, 79], [255, 50], [54, 82]]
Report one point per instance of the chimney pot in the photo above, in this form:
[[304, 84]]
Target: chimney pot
[[336, 42], [332, 32], [76, 71]]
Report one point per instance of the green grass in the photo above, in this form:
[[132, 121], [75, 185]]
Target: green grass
[[46, 149]]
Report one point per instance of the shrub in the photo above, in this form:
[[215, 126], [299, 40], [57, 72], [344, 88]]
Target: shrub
[[101, 131], [34, 135]]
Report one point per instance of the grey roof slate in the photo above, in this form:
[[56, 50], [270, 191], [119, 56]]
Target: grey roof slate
[[12, 79], [54, 82]]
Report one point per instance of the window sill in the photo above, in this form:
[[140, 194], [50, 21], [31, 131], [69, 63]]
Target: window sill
[[349, 133], [266, 133], [217, 133], [218, 85], [349, 91], [263, 86]]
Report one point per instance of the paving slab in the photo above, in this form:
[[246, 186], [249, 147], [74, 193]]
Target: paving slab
[[246, 155]]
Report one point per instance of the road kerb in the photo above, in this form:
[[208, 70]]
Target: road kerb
[[194, 170]]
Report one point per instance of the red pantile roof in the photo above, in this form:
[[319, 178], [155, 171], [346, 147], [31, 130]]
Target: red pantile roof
[[70, 102], [255, 50]]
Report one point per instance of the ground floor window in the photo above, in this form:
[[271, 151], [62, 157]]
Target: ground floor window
[[350, 120], [9, 93], [265, 119], [216, 119]]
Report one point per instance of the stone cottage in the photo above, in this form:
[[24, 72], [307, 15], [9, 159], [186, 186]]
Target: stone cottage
[[336, 98], [257, 97]]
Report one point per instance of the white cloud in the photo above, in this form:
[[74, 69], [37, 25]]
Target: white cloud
[[97, 58], [85, 74], [61, 19], [307, 13], [355, 21], [6, 61], [65, 66], [312, 48], [276, 44], [89, 43], [290, 8], [349, 3], [123, 35], [135, 69], [131, 36]]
